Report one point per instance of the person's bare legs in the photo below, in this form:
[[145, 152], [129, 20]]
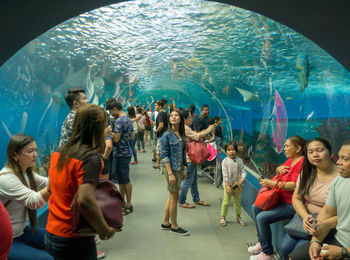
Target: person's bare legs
[[166, 212], [128, 192], [173, 199], [158, 161], [122, 190]]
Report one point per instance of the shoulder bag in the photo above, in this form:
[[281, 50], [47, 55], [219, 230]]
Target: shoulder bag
[[197, 151], [295, 227], [268, 197], [111, 204]]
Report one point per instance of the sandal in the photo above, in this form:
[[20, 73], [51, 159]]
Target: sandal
[[202, 203], [241, 222], [156, 167], [127, 210], [187, 205], [222, 222]]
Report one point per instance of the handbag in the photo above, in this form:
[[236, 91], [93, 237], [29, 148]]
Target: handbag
[[236, 189], [295, 227], [111, 204], [198, 152], [268, 197]]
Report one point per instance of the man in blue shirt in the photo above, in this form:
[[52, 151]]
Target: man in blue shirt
[[123, 132]]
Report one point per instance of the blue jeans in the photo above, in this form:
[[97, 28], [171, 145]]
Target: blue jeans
[[132, 144], [191, 181], [288, 244], [29, 246], [263, 219], [64, 248]]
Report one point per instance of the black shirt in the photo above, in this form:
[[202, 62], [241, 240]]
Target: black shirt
[[162, 117], [218, 131], [203, 123]]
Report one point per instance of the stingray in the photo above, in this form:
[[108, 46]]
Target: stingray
[[23, 125], [247, 95]]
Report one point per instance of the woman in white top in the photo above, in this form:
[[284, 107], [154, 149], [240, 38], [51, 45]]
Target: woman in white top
[[191, 173], [23, 192]]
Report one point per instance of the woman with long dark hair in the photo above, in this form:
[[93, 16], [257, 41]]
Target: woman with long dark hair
[[22, 192], [173, 154], [311, 192], [76, 167], [288, 174], [132, 115]]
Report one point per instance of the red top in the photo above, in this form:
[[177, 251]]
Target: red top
[[5, 233], [292, 175], [64, 184]]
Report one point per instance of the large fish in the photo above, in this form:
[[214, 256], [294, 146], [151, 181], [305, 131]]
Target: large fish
[[247, 95], [303, 67], [279, 128]]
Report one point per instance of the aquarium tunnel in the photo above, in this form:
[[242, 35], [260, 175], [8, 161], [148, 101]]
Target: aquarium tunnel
[[269, 69], [264, 79]]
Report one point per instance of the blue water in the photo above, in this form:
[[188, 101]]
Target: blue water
[[197, 52]]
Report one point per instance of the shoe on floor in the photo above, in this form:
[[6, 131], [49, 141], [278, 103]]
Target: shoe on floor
[[222, 222], [262, 256], [134, 162], [241, 222], [255, 249], [100, 254], [165, 227], [144, 151], [179, 231], [97, 240], [154, 160]]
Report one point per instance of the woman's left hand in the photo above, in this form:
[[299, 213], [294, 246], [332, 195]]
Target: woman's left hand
[[266, 183]]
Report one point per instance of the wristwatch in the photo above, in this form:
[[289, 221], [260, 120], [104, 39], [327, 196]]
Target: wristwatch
[[344, 253]]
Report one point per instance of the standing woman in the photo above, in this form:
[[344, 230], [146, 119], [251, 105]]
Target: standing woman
[[76, 167], [191, 180], [173, 155], [311, 192], [290, 170], [23, 192]]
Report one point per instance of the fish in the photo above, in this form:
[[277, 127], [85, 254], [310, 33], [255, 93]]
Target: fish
[[303, 67], [247, 95], [279, 128]]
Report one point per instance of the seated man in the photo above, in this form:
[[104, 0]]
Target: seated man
[[336, 245]]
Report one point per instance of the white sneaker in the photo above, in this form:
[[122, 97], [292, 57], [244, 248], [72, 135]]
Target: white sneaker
[[255, 249]]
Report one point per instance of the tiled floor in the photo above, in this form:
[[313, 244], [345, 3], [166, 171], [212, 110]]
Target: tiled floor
[[142, 238]]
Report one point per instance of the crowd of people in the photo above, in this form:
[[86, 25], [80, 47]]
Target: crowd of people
[[100, 143]]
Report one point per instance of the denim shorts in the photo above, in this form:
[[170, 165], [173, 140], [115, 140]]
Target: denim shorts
[[120, 170]]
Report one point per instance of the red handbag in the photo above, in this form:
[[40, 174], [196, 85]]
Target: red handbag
[[198, 152], [111, 204], [267, 197]]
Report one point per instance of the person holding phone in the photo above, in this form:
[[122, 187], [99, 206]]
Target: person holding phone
[[288, 174], [233, 174]]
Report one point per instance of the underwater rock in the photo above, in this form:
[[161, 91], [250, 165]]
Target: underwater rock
[[303, 67]]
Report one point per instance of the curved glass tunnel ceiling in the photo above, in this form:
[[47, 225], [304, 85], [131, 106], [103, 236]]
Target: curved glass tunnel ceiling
[[265, 80]]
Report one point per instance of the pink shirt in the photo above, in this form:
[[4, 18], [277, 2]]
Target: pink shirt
[[317, 196]]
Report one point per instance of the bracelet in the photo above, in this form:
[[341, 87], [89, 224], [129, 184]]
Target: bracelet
[[316, 241]]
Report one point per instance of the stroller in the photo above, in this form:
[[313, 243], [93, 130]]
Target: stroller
[[212, 167]]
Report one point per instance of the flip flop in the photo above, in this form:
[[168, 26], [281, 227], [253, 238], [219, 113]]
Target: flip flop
[[202, 203], [187, 206], [156, 167]]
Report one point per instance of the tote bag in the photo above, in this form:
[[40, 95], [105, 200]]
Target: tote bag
[[111, 204], [295, 227]]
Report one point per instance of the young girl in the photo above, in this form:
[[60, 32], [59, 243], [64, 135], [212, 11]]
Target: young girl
[[234, 175]]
